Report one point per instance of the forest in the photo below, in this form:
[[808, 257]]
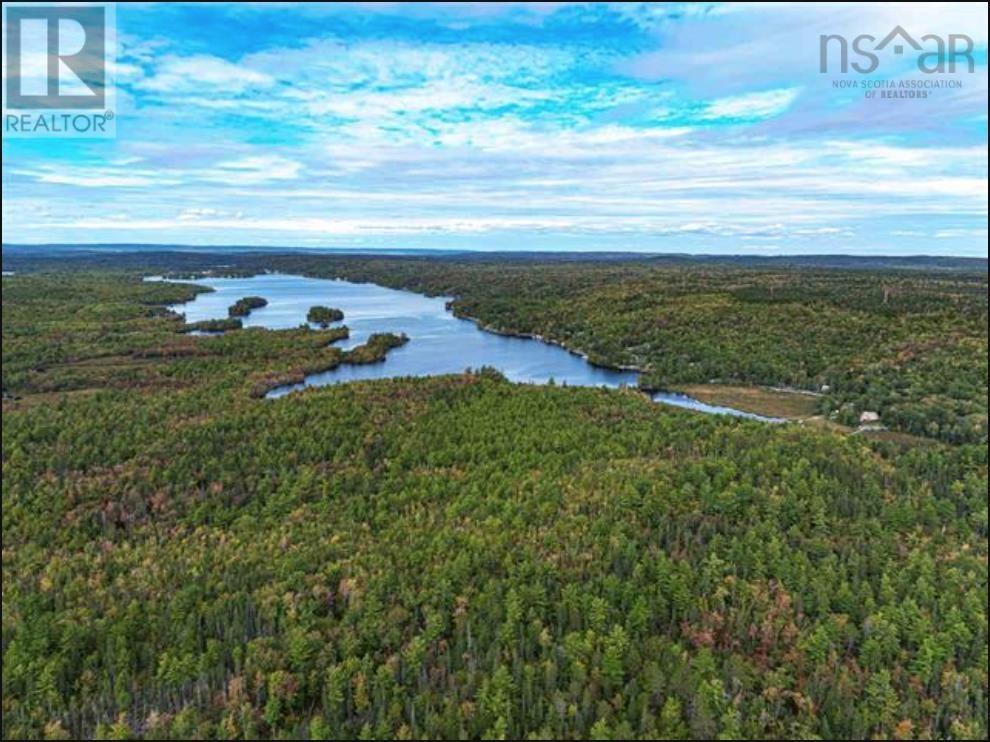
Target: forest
[[460, 556], [214, 325]]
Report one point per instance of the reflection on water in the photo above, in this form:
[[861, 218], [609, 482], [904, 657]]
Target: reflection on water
[[439, 342]]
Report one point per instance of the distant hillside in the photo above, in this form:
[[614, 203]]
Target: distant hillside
[[190, 257]]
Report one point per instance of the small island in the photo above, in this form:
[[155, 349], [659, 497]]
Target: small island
[[323, 316], [243, 307]]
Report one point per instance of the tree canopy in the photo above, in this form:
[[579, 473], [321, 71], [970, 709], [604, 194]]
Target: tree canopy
[[324, 316], [459, 556]]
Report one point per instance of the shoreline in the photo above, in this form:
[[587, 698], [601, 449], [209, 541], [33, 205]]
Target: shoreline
[[668, 395]]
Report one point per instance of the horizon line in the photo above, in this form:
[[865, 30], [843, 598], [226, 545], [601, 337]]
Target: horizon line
[[484, 251]]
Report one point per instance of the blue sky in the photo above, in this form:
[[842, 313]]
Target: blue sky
[[670, 127]]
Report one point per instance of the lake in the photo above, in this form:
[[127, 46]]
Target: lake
[[439, 342]]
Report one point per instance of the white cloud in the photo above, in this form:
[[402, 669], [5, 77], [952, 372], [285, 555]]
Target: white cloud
[[330, 227], [253, 170], [175, 74], [97, 177], [385, 137], [961, 234], [758, 105]]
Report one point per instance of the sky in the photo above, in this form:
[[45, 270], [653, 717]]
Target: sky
[[666, 127]]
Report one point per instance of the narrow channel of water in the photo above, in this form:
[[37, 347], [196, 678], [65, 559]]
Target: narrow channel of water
[[439, 342]]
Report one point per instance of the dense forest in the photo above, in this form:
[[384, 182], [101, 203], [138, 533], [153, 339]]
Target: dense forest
[[214, 325], [464, 557]]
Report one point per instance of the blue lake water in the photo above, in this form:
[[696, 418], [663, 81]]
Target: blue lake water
[[439, 342]]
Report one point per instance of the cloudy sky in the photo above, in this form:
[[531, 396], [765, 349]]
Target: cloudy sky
[[654, 127]]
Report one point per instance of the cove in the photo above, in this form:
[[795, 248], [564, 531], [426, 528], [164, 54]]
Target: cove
[[439, 342]]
